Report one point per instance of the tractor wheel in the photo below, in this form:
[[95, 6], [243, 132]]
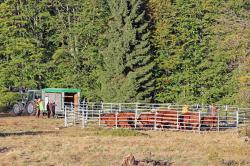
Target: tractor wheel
[[30, 108], [17, 109]]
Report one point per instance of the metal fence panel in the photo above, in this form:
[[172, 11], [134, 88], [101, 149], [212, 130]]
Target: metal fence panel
[[147, 116]]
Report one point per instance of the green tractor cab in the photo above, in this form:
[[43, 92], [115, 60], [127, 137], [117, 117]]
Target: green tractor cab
[[27, 103]]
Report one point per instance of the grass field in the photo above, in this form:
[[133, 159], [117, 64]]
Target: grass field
[[30, 141]]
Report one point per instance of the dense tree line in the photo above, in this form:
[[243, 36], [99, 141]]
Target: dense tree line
[[180, 51]]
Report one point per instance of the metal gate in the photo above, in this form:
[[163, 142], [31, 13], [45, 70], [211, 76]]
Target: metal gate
[[146, 116]]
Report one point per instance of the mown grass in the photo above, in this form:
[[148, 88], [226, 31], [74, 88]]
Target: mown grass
[[52, 144]]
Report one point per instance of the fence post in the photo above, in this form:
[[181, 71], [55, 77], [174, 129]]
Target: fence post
[[136, 110], [71, 107], [99, 117], [87, 112], [199, 126], [237, 118], [102, 106], [116, 119], [226, 112], [83, 118], [218, 121], [155, 120], [65, 116], [177, 120]]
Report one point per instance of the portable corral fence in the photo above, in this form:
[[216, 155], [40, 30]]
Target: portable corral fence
[[155, 116]]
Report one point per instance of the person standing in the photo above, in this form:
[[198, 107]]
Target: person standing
[[213, 110], [37, 108], [185, 109], [53, 109], [49, 108], [40, 108]]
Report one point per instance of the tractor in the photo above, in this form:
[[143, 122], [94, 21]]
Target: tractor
[[26, 105]]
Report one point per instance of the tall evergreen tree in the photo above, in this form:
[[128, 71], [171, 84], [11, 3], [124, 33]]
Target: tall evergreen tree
[[194, 67], [75, 60], [128, 63], [21, 59]]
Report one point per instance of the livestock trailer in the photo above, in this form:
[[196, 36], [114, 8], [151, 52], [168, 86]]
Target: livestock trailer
[[60, 96]]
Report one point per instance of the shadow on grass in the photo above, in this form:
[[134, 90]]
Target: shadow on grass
[[22, 133], [6, 114], [118, 132]]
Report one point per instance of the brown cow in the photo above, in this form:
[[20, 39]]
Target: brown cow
[[147, 119], [126, 119], [167, 118], [209, 121], [123, 119], [109, 119], [189, 120]]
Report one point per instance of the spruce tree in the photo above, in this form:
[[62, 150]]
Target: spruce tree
[[128, 64], [74, 62], [20, 64]]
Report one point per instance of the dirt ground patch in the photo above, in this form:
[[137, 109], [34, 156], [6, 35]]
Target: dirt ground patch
[[105, 147]]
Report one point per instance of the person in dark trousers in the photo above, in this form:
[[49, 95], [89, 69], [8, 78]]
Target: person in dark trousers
[[38, 111], [40, 108], [53, 109], [49, 108]]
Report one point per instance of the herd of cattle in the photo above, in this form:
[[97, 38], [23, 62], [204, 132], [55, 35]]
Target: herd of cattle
[[168, 118]]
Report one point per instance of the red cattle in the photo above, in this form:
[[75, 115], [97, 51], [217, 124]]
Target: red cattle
[[189, 120], [123, 119], [126, 119], [167, 118], [209, 121], [147, 119], [109, 119]]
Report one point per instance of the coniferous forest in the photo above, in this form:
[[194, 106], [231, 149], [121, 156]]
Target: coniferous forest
[[168, 51]]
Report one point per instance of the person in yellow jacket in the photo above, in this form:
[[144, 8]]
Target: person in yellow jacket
[[185, 109], [40, 108]]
